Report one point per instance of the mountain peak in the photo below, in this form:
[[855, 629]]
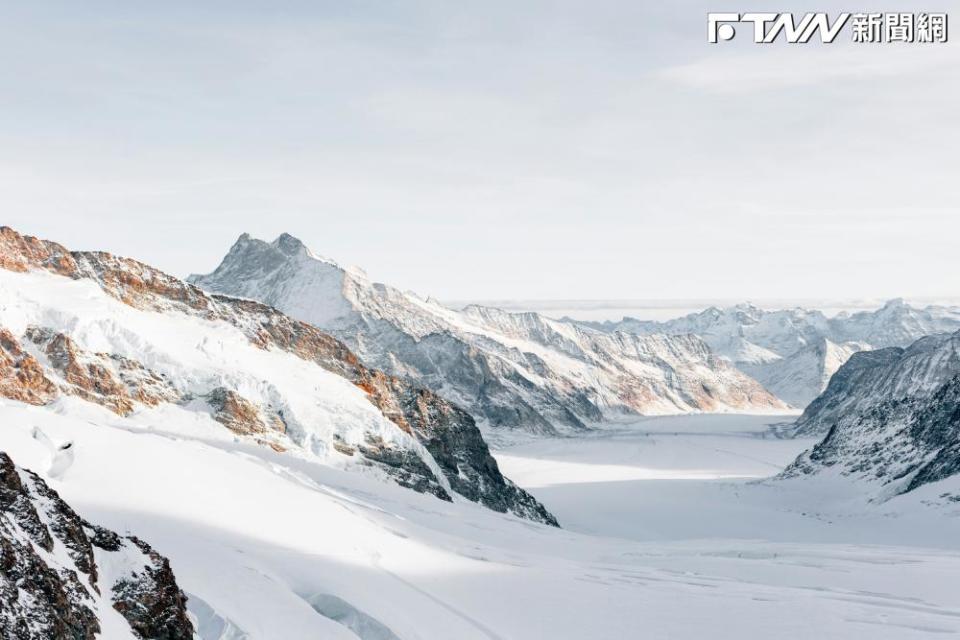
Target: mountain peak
[[895, 303], [288, 244]]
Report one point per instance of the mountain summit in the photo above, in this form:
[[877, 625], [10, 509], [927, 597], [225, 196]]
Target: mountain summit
[[518, 370]]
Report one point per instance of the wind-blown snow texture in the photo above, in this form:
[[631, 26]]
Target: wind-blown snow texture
[[509, 369], [794, 352], [666, 541], [890, 416], [120, 334]]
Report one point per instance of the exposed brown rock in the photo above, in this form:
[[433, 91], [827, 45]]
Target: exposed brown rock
[[343, 447], [21, 376], [240, 415], [111, 381], [20, 253], [86, 377], [276, 446]]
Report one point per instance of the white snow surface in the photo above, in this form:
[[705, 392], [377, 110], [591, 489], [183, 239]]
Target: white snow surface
[[669, 535]]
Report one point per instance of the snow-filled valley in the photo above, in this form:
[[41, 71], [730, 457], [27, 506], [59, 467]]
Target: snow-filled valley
[[667, 535]]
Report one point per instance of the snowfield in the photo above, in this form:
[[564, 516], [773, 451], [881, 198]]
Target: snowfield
[[668, 535]]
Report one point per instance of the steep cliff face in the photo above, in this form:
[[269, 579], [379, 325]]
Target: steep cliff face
[[60, 575], [890, 417], [258, 372], [900, 444], [511, 370], [21, 376], [870, 378]]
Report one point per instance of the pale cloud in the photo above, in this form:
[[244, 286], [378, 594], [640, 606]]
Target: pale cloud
[[772, 68], [555, 150]]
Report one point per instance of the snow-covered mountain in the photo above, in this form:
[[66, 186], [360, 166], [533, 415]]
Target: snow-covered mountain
[[885, 375], [63, 577], [890, 416], [117, 333], [793, 352], [509, 369]]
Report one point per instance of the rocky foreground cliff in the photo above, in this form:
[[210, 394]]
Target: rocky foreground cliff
[[120, 334], [63, 578]]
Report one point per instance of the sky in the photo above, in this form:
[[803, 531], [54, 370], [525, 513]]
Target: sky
[[489, 150]]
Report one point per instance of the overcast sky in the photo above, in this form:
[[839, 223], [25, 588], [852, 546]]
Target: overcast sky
[[495, 149]]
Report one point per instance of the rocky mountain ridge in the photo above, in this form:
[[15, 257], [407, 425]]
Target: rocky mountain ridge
[[889, 417], [257, 372], [515, 370]]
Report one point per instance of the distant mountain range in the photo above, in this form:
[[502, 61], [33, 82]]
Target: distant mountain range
[[794, 352], [518, 370]]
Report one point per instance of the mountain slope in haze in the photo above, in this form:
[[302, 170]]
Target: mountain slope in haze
[[511, 370], [891, 417], [804, 374], [793, 352], [63, 577], [117, 333]]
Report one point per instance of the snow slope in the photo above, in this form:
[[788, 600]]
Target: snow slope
[[269, 545], [513, 370]]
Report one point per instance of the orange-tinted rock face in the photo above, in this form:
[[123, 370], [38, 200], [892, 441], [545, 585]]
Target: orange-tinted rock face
[[84, 376], [111, 381], [21, 376], [19, 253], [240, 415]]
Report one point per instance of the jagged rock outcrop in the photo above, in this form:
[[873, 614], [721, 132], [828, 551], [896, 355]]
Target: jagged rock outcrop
[[890, 416], [793, 352], [46, 594], [240, 415], [509, 370], [110, 380], [122, 381], [22, 377]]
